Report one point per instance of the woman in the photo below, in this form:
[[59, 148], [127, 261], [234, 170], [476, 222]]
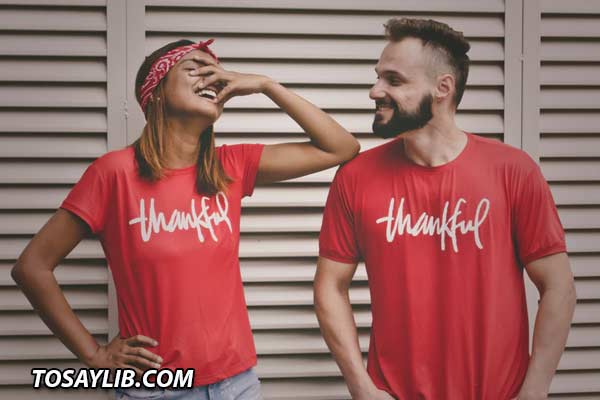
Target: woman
[[167, 211]]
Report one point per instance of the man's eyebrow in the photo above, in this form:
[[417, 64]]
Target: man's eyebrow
[[393, 73]]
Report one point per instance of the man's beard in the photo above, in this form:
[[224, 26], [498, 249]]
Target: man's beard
[[404, 121]]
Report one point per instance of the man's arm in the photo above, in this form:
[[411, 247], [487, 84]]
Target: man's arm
[[553, 277], [334, 312]]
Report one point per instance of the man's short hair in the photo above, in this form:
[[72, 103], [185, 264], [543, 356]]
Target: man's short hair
[[448, 47]]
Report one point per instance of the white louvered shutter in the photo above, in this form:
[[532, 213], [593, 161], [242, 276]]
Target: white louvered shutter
[[53, 124], [569, 150]]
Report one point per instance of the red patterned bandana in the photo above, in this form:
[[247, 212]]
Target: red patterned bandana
[[161, 67]]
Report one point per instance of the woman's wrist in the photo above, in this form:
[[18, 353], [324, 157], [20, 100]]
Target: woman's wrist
[[90, 356], [267, 85]]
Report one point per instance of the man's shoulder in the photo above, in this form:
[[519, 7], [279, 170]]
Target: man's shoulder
[[502, 154], [366, 160]]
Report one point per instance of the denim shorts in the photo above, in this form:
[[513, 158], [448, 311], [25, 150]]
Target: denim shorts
[[243, 386]]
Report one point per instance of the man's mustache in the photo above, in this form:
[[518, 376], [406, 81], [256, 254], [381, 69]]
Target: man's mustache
[[383, 103]]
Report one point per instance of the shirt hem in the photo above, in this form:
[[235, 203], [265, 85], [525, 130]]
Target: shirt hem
[[546, 251], [337, 258], [232, 371], [87, 218]]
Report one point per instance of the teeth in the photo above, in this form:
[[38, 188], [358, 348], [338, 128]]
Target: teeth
[[207, 93]]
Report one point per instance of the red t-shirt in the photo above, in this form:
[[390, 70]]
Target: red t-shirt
[[444, 249], [174, 258]]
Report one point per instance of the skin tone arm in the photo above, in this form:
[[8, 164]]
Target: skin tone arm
[[334, 312], [330, 143], [34, 273], [554, 281]]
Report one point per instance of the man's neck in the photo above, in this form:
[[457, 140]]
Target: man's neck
[[437, 143]]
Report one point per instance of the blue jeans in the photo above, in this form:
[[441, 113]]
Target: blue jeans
[[243, 386]]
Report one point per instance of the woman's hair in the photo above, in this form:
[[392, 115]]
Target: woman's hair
[[150, 146]]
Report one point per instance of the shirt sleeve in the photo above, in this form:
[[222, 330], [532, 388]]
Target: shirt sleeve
[[538, 231], [337, 240], [247, 158], [88, 199]]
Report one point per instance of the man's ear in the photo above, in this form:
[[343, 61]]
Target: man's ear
[[445, 88]]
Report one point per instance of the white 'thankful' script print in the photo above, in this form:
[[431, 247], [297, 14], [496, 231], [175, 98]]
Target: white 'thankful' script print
[[182, 220], [430, 225]]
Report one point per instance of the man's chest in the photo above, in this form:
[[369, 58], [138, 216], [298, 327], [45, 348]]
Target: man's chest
[[447, 217]]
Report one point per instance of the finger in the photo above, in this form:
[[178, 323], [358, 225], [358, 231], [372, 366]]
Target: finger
[[225, 94], [141, 352], [218, 80], [141, 362], [209, 61], [138, 372], [140, 340], [206, 70]]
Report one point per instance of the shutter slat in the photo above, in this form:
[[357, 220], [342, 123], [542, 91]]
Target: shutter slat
[[344, 73], [573, 193], [571, 170], [463, 6], [47, 70], [54, 19], [28, 323], [86, 272], [286, 270], [35, 348], [570, 98], [562, 122], [580, 218], [582, 241], [298, 317], [83, 298], [53, 96], [10, 248], [562, 27], [571, 146], [585, 265], [357, 122], [26, 145], [575, 50], [23, 197], [569, 73], [358, 99], [53, 44], [292, 48], [304, 23], [46, 121]]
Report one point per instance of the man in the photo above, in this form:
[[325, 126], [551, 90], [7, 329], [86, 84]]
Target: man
[[445, 221]]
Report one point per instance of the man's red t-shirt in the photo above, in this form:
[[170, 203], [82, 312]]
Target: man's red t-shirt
[[174, 258], [444, 249]]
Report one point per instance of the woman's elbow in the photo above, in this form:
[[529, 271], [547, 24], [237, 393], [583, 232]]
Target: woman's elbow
[[572, 295], [22, 270], [17, 273], [350, 150]]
